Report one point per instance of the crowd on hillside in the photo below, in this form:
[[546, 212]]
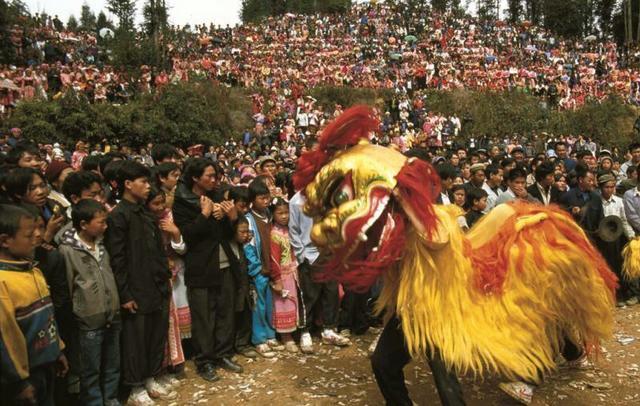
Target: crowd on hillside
[[371, 46]]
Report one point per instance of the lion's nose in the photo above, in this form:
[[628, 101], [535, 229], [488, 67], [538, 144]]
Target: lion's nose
[[327, 232]]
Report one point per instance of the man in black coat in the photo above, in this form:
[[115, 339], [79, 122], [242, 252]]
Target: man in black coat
[[207, 229], [575, 200], [543, 189], [141, 270]]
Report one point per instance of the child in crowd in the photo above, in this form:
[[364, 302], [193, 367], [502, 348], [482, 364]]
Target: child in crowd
[[167, 175], [174, 247], [257, 251], [140, 266], [244, 295], [284, 276], [96, 305], [240, 197], [26, 316], [459, 196], [477, 201]]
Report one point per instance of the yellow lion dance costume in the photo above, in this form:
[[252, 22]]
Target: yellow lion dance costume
[[499, 299]]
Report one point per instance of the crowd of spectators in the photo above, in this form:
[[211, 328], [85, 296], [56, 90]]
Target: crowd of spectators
[[370, 46]]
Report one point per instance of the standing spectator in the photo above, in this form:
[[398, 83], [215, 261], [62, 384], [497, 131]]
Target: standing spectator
[[96, 306], [242, 302], [492, 185], [611, 205], [316, 295], [79, 155], [174, 247], [634, 151], [543, 189], [477, 199], [142, 273], [575, 200], [27, 369], [284, 276], [258, 255], [207, 230]]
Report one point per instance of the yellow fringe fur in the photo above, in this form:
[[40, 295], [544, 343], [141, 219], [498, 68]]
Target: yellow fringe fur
[[631, 255], [517, 333]]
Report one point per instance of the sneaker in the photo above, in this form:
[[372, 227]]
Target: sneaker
[[275, 345], [520, 391], [291, 347], [168, 380], [374, 344], [159, 391], [333, 338], [306, 344], [580, 363], [632, 302], [264, 350], [140, 397], [345, 333]]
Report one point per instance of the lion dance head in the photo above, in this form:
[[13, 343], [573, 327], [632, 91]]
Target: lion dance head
[[352, 189]]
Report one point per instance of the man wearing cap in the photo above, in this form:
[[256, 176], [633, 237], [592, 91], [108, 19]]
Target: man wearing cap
[[611, 205], [476, 181], [518, 154]]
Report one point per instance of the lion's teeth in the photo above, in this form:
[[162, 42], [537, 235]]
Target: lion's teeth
[[362, 236]]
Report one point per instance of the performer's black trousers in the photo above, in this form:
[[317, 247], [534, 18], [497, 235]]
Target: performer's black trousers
[[143, 340], [354, 312], [213, 320], [390, 357]]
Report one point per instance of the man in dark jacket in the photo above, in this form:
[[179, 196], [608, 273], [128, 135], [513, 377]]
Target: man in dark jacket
[[576, 199], [142, 274], [207, 230], [543, 189]]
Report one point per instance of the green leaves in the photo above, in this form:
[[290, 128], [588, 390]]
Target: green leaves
[[183, 114]]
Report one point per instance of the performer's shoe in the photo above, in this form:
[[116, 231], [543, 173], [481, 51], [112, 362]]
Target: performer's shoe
[[374, 344], [331, 337], [140, 397], [580, 363], [306, 344], [520, 391], [632, 302]]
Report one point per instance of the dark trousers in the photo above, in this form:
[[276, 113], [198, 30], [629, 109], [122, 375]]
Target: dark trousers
[[317, 296], [243, 328], [390, 357], [100, 356], [41, 378], [212, 320], [144, 337], [354, 312]]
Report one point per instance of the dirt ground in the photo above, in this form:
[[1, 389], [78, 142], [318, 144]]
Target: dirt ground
[[335, 376]]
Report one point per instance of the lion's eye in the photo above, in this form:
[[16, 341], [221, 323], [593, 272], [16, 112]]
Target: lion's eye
[[344, 192]]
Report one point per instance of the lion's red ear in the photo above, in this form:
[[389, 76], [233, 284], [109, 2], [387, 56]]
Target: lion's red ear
[[419, 186], [354, 124]]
